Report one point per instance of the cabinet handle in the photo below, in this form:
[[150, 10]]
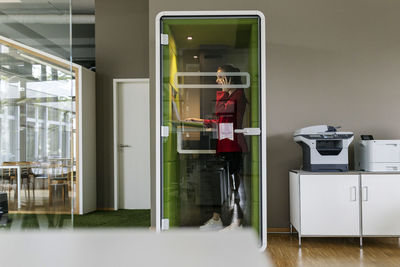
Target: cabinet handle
[[365, 193], [353, 193], [123, 146]]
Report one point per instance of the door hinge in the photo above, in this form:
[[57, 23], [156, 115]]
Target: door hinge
[[164, 224], [164, 131], [164, 39]]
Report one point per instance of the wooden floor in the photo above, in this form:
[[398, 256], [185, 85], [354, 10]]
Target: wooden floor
[[284, 251]]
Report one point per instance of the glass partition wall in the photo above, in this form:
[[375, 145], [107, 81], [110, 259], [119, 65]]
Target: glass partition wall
[[38, 165]]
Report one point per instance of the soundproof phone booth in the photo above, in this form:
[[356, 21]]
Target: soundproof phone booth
[[211, 121]]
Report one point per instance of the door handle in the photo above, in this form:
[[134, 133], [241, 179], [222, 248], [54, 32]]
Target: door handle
[[249, 131], [353, 193], [365, 193], [123, 146]]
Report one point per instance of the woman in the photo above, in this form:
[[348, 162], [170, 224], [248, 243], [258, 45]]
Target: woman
[[229, 110]]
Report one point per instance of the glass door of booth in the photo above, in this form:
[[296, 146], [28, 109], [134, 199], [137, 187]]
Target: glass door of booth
[[210, 89]]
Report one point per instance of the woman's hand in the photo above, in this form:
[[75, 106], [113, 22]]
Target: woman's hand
[[194, 120]]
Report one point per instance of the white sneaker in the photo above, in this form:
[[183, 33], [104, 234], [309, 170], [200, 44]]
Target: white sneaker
[[232, 227], [212, 225]]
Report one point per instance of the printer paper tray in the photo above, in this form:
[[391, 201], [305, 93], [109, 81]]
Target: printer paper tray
[[382, 167]]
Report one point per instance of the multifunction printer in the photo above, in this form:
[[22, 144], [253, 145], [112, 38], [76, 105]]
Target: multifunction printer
[[324, 148]]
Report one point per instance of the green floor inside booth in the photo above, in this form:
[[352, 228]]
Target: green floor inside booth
[[97, 219]]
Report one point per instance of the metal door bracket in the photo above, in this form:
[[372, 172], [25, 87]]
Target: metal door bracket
[[164, 131], [164, 39], [164, 224]]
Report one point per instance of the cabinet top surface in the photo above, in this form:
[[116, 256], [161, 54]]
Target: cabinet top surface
[[340, 173]]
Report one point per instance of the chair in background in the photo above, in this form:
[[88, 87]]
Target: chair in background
[[39, 169], [58, 183], [5, 178], [27, 175], [10, 175]]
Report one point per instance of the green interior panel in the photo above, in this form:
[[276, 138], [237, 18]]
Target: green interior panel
[[255, 122], [190, 172], [170, 156]]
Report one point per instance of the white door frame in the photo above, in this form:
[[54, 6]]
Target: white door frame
[[116, 133], [263, 137]]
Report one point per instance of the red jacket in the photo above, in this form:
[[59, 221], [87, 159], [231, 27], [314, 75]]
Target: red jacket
[[230, 109]]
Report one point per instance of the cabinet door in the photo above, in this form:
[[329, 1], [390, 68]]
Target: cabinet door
[[381, 204], [330, 205]]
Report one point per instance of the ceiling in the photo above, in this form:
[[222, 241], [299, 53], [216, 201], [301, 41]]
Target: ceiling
[[44, 25]]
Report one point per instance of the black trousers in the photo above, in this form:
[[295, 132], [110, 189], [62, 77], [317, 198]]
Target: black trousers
[[234, 165]]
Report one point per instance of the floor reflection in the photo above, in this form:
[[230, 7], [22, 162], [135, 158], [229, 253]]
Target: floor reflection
[[39, 202]]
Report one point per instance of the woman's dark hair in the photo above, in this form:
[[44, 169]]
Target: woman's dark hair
[[233, 79], [230, 68]]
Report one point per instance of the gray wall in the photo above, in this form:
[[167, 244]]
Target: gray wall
[[122, 39], [328, 62], [334, 62]]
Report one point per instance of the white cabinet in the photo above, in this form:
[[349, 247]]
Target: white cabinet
[[345, 204], [380, 204], [329, 205], [326, 205]]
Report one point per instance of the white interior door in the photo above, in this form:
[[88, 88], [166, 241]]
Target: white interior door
[[330, 205], [133, 144], [381, 204]]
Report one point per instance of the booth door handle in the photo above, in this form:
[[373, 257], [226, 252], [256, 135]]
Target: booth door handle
[[249, 131]]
